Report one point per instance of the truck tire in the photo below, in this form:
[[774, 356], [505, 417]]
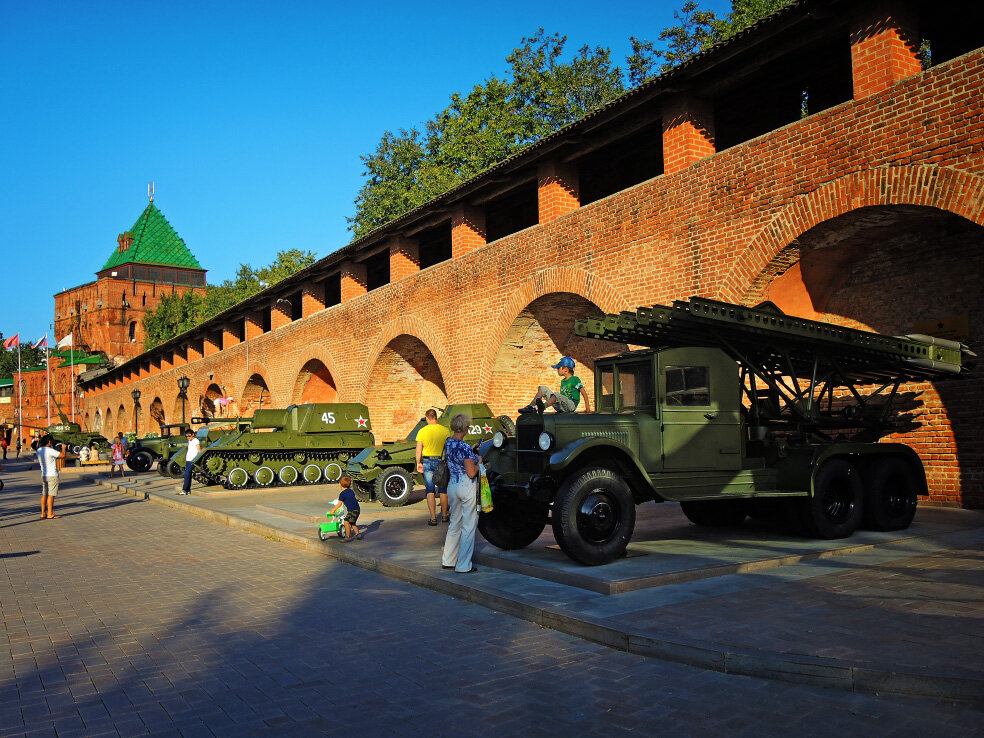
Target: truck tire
[[891, 490], [140, 460], [834, 509], [593, 516], [362, 490], [513, 523], [507, 425], [716, 513], [394, 486], [174, 469]]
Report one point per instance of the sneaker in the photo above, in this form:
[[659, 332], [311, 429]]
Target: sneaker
[[446, 567], [182, 492], [531, 408]]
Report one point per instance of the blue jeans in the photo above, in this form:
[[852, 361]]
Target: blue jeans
[[187, 482], [430, 466]]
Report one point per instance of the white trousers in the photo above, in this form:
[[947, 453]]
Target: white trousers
[[460, 542]]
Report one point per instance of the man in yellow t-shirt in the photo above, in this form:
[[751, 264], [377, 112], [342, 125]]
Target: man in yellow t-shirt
[[430, 446]]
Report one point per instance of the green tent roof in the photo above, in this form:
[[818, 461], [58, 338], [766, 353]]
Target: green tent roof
[[154, 242]]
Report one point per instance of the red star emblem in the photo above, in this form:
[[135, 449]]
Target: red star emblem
[[362, 421], [487, 428]]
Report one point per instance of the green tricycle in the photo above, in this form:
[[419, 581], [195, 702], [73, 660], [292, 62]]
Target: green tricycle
[[335, 524]]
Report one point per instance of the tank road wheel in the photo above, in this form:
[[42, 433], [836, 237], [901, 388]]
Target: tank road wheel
[[834, 509], [237, 478], [140, 460], [593, 516], [514, 522], [715, 513], [507, 425], [288, 474], [393, 486], [363, 491], [891, 490], [264, 476], [312, 473], [333, 471], [174, 469]]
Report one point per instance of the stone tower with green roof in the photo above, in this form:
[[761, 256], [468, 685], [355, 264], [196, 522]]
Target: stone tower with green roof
[[150, 260]]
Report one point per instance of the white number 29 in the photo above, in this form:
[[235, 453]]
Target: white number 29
[[474, 430], [328, 418]]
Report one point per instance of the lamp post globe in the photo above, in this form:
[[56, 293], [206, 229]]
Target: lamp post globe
[[183, 384]]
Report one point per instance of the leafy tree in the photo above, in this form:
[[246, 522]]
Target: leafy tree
[[29, 357], [176, 313]]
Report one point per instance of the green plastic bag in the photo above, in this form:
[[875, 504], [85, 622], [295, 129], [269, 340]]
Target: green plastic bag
[[485, 493]]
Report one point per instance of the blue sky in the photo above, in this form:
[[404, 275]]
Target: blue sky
[[249, 116]]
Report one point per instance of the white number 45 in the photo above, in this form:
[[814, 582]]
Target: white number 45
[[328, 418]]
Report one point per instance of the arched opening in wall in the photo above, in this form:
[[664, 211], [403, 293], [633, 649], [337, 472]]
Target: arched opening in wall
[[255, 395], [131, 332], [206, 402], [87, 426], [176, 408], [403, 383], [314, 384], [121, 418], [156, 415], [107, 425], [540, 334], [899, 270]]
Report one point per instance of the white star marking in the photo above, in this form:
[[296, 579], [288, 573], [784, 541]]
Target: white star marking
[[362, 421], [487, 428]]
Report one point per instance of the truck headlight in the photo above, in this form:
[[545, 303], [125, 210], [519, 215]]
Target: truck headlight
[[545, 441], [499, 439]]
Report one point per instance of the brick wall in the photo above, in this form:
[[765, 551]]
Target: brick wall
[[476, 329]]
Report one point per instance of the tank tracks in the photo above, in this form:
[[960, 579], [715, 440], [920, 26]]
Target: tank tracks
[[209, 470]]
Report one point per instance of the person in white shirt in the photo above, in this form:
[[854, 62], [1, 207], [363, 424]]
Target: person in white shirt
[[194, 446], [47, 458]]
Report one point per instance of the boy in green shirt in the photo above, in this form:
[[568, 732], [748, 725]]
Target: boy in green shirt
[[570, 395]]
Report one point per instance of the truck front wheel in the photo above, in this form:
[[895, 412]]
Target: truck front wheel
[[513, 523], [394, 487], [140, 460], [891, 492], [593, 516], [834, 509]]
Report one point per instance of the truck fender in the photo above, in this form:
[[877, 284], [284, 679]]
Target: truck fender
[[569, 455]]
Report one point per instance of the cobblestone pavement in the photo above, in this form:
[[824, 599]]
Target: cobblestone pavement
[[124, 618]]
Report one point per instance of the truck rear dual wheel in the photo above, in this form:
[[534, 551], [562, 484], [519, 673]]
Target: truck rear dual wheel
[[834, 508], [594, 516], [513, 523], [140, 460], [394, 486], [891, 490]]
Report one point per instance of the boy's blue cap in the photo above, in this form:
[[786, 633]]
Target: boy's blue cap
[[565, 361]]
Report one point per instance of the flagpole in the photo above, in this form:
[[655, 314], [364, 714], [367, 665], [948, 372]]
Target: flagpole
[[20, 411], [47, 371], [71, 381]]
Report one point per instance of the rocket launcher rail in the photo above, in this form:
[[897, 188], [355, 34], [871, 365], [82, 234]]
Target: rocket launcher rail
[[798, 375]]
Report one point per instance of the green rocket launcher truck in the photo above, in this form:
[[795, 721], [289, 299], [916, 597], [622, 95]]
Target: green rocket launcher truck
[[730, 411]]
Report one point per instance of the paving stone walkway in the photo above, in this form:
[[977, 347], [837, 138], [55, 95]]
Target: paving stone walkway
[[125, 618]]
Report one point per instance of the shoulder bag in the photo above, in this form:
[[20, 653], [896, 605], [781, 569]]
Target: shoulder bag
[[442, 475]]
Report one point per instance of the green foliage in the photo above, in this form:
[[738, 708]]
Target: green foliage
[[540, 92], [176, 314], [30, 357]]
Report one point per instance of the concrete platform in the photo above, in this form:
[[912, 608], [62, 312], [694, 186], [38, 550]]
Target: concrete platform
[[886, 612]]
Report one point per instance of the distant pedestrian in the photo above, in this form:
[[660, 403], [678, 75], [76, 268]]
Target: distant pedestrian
[[118, 457], [47, 458], [18, 448], [430, 444], [194, 446], [347, 497], [124, 443], [4, 444], [463, 463]]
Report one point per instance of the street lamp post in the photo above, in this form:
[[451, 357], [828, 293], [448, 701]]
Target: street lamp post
[[183, 384], [136, 408]]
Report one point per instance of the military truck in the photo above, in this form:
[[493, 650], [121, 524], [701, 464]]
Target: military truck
[[302, 444], [156, 447], [388, 473], [209, 431], [731, 411]]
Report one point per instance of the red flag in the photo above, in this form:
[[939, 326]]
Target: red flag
[[12, 341]]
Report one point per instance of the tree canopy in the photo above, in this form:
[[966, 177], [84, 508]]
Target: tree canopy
[[29, 357], [540, 91], [178, 313]]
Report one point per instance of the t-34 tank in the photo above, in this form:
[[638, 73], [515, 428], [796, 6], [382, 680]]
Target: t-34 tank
[[302, 444], [212, 430]]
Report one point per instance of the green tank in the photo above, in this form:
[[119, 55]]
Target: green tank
[[210, 432], [301, 444], [388, 473], [73, 438]]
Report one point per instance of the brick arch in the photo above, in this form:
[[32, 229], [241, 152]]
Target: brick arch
[[303, 377], [575, 281], [248, 399], [951, 190], [409, 325]]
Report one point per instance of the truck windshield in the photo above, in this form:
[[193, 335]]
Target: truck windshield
[[635, 385]]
